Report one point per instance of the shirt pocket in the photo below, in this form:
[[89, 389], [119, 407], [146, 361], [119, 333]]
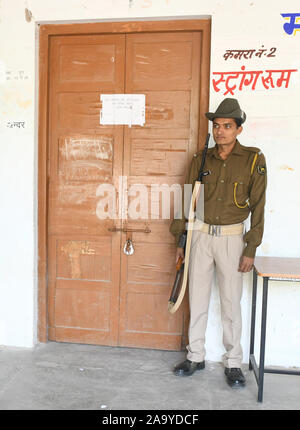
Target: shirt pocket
[[240, 191]]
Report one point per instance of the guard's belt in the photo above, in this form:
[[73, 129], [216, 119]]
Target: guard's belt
[[219, 230]]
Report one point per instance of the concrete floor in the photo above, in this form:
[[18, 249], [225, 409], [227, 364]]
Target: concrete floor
[[61, 376]]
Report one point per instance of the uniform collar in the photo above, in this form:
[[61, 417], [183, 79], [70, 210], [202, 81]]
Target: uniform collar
[[237, 150]]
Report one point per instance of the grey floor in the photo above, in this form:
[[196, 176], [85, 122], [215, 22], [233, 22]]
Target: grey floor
[[61, 376]]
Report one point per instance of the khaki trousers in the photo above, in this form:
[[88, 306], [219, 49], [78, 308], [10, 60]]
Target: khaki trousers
[[222, 253]]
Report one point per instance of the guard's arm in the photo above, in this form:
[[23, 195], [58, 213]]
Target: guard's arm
[[177, 227], [195, 173], [257, 198]]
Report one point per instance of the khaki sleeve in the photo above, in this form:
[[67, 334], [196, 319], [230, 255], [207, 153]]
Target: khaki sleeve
[[257, 198], [177, 226]]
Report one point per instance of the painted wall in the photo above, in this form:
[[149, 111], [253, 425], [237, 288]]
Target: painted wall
[[272, 125]]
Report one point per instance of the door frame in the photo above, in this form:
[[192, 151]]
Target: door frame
[[125, 27]]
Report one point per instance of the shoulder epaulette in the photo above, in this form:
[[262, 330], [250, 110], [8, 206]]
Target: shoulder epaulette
[[252, 149]]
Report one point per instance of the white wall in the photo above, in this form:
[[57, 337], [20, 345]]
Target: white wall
[[17, 173], [272, 124]]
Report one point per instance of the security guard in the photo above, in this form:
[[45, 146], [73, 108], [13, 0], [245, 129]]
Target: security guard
[[234, 188]]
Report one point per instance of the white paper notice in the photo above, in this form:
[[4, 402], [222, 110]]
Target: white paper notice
[[123, 109]]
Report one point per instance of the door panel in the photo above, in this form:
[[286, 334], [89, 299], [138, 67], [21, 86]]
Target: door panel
[[83, 259], [167, 158], [159, 61], [161, 66]]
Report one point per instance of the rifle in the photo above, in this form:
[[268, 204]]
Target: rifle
[[181, 277]]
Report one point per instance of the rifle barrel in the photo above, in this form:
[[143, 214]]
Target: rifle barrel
[[203, 158]]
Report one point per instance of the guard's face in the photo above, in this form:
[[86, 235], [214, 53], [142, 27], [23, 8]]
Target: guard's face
[[225, 131]]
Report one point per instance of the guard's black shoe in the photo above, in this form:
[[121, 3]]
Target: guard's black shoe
[[187, 367], [235, 377]]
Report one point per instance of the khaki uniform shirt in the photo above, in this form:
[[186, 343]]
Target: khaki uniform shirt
[[235, 187]]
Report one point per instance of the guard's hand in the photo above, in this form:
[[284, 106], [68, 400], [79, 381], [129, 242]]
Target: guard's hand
[[179, 253], [246, 264]]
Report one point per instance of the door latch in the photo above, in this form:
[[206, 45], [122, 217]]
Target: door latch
[[130, 230]]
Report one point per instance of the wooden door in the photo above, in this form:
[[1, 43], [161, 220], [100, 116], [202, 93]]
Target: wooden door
[[83, 259], [164, 67], [96, 293]]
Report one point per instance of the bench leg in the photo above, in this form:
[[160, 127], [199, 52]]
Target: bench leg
[[253, 314], [263, 339]]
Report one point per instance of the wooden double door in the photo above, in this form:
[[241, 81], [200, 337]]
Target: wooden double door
[[95, 292]]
